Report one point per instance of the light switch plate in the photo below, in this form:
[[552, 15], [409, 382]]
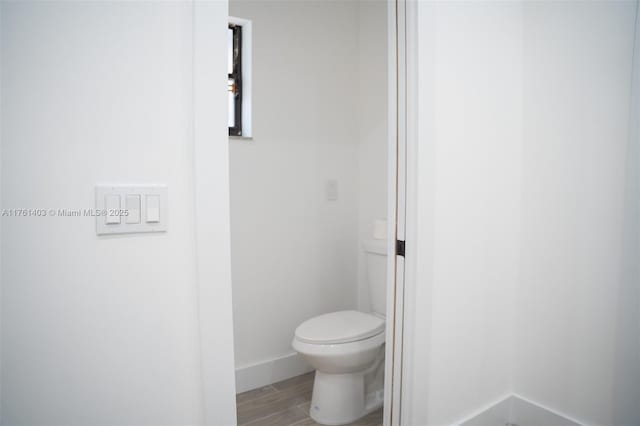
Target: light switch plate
[[132, 220]]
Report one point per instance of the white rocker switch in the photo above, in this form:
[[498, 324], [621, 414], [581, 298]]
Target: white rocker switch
[[132, 205], [112, 206], [153, 208]]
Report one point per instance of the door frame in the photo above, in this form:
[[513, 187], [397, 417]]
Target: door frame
[[402, 145], [212, 229], [213, 237]]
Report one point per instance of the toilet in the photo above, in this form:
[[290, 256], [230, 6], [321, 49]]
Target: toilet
[[346, 348]]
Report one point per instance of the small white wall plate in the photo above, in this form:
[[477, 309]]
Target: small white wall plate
[[123, 226]]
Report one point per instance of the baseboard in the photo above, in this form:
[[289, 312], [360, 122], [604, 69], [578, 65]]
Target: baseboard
[[528, 408], [266, 372], [518, 411], [496, 413]]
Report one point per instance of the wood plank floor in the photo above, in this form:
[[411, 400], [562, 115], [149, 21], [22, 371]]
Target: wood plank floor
[[286, 404]]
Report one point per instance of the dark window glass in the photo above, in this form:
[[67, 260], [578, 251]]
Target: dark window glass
[[234, 41]]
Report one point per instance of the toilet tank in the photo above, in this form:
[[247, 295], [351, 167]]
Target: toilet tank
[[376, 261]]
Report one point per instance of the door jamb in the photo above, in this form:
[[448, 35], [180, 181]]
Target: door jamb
[[400, 20], [211, 214]]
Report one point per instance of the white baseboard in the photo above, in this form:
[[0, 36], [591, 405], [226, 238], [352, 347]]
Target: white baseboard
[[528, 409], [517, 410], [266, 372]]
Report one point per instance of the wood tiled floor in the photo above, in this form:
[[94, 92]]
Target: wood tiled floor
[[286, 404]]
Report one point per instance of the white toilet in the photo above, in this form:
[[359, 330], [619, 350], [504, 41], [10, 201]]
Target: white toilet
[[347, 350]]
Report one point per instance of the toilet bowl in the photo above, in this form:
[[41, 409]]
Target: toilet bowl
[[346, 349]]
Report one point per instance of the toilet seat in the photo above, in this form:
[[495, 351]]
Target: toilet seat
[[339, 327], [345, 350]]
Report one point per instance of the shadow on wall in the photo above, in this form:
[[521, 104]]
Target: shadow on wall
[[626, 377]]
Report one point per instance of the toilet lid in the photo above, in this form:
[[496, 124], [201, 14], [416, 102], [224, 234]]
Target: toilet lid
[[339, 327]]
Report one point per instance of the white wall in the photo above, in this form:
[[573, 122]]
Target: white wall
[[523, 132], [293, 252], [578, 59], [318, 113], [474, 105], [372, 128], [626, 374], [100, 331]]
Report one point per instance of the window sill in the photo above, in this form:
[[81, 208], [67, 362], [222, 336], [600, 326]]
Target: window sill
[[241, 138]]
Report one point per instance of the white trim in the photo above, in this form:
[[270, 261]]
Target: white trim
[[513, 414], [409, 121], [247, 76], [396, 212], [264, 373], [1, 207], [550, 410], [211, 210], [417, 258], [483, 409], [389, 390]]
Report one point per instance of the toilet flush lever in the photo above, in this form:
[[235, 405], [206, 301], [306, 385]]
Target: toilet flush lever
[[400, 248]]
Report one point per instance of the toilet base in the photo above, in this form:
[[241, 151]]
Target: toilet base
[[341, 398]]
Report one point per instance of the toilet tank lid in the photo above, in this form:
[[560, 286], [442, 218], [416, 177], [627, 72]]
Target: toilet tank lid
[[339, 327], [375, 246]]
